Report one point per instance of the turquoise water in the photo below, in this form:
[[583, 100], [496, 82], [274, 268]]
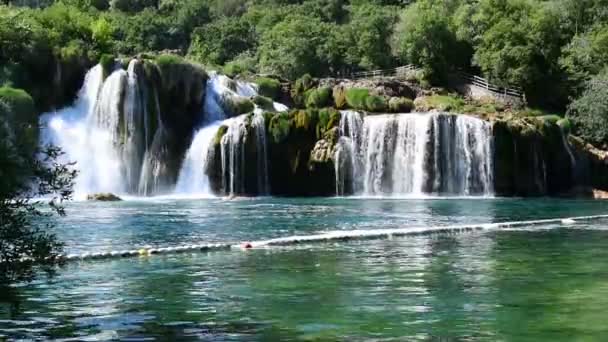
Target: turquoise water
[[545, 283]]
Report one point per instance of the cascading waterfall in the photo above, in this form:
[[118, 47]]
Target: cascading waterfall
[[81, 134], [192, 178], [414, 154], [106, 132], [258, 124]]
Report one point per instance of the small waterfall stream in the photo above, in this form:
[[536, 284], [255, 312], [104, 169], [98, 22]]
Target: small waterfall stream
[[414, 154]]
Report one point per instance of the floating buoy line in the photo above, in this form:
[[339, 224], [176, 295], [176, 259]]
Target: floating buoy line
[[326, 237]]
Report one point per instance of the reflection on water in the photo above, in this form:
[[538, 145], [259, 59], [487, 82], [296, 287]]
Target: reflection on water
[[503, 285]]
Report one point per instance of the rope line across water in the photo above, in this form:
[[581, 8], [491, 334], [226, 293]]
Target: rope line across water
[[326, 237]]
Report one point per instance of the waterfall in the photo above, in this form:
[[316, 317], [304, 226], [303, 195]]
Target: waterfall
[[83, 136], [414, 154], [192, 178], [106, 132], [347, 158], [233, 155], [258, 124]]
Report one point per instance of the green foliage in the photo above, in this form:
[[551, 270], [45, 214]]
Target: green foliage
[[107, 62], [27, 171], [445, 103], [221, 41], [21, 105], [299, 89], [318, 98], [423, 37], [356, 98], [400, 105], [586, 55], [279, 127], [589, 113], [376, 104], [268, 87]]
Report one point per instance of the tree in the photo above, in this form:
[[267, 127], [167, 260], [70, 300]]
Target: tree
[[586, 55], [589, 113], [221, 41], [27, 172], [293, 47], [423, 37]]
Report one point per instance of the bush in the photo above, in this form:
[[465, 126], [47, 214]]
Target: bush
[[339, 95], [400, 105], [356, 98], [21, 104], [375, 104], [107, 63], [318, 98], [165, 60], [221, 131], [268, 87], [301, 86]]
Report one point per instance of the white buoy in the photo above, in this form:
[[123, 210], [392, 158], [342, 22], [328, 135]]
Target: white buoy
[[568, 222]]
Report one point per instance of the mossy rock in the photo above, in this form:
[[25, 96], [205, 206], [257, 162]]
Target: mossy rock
[[376, 104], [268, 87], [221, 131], [263, 102], [400, 105], [318, 98], [339, 95], [356, 98], [103, 197], [237, 105], [279, 127], [107, 62], [565, 125], [298, 91]]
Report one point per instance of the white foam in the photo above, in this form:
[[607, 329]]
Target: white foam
[[343, 235]]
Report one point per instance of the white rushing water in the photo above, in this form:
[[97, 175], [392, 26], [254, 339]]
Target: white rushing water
[[105, 132], [414, 154], [192, 178], [84, 139]]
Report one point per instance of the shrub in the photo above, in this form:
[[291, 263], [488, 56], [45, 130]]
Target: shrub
[[356, 97], [268, 87], [318, 98], [301, 86], [400, 105], [375, 104], [107, 63], [565, 125], [165, 60], [339, 95], [21, 104]]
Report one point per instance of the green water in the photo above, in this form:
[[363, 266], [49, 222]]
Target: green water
[[547, 283]]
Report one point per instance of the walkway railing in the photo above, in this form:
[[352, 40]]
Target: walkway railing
[[399, 71], [481, 82], [485, 84]]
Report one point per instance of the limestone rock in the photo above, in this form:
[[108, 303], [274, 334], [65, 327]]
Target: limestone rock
[[103, 197]]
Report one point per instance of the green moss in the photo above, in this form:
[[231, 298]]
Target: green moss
[[445, 103], [238, 105], [217, 139], [339, 95], [279, 127], [400, 105], [318, 98], [565, 125], [268, 87], [21, 104], [356, 98], [168, 59], [107, 64], [263, 102], [301, 86], [376, 104]]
